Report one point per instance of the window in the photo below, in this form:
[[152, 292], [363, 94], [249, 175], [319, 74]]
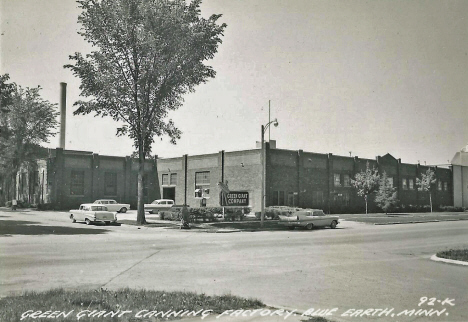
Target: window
[[278, 198], [292, 199], [202, 183], [341, 199], [337, 180], [346, 181], [202, 178], [173, 179], [404, 184], [390, 181], [110, 184], [411, 184], [446, 186], [77, 183], [35, 182], [439, 185], [281, 198], [165, 180]]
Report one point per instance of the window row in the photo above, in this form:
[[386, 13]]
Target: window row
[[77, 183], [169, 180], [341, 180], [282, 198]]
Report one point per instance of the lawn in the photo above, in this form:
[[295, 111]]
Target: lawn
[[123, 305], [455, 254]]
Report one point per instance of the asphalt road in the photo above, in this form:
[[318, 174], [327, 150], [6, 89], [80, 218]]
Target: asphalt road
[[356, 266]]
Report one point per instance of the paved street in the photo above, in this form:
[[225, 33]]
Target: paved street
[[356, 266]]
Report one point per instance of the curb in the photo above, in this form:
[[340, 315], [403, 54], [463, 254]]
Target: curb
[[408, 222], [417, 222], [449, 261]]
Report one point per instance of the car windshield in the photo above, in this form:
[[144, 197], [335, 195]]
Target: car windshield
[[156, 202]]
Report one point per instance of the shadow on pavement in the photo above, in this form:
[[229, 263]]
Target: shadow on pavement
[[13, 227]]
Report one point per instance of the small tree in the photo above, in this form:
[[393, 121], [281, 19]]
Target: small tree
[[146, 56], [386, 197], [426, 183], [366, 182]]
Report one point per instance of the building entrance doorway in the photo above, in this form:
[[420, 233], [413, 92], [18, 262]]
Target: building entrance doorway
[[169, 193]]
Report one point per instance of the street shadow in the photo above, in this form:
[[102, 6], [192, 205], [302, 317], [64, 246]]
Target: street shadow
[[14, 227], [100, 223]]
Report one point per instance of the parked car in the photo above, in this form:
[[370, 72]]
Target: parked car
[[309, 219], [92, 213], [113, 205], [158, 205]]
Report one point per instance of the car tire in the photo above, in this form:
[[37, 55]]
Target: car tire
[[291, 227], [87, 221], [107, 223], [151, 212], [123, 210], [310, 226], [333, 224], [72, 218]]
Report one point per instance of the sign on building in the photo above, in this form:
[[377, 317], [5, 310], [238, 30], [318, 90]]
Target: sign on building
[[236, 199]]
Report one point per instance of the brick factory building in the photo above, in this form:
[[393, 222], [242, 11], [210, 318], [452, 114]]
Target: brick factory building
[[67, 178]]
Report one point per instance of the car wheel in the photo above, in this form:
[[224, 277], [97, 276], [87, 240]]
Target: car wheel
[[107, 223], [333, 224], [291, 227], [123, 210], [87, 221], [72, 219], [151, 212], [309, 226]]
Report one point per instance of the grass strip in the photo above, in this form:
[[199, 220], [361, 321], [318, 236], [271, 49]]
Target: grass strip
[[455, 254], [105, 305]]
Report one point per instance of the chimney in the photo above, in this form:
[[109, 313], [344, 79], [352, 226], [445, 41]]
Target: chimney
[[63, 113]]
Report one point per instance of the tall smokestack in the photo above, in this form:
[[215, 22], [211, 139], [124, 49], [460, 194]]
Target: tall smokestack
[[63, 113]]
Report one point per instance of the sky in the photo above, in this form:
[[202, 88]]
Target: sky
[[364, 78]]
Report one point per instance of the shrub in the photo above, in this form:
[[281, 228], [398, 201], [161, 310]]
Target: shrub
[[45, 206], [452, 209]]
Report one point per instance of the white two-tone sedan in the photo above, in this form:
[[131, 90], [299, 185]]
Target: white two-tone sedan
[[91, 213], [159, 205], [113, 205], [309, 219]]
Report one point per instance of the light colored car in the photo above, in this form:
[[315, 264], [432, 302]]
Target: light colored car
[[113, 205], [92, 213], [309, 219], [159, 205]]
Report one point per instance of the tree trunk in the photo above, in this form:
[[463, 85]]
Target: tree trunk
[[430, 200], [365, 198], [141, 172]]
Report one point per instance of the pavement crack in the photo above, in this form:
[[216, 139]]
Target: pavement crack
[[123, 272]]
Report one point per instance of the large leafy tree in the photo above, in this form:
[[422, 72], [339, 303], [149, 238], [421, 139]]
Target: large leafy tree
[[426, 183], [27, 122], [6, 97], [366, 182], [147, 55], [386, 195]]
